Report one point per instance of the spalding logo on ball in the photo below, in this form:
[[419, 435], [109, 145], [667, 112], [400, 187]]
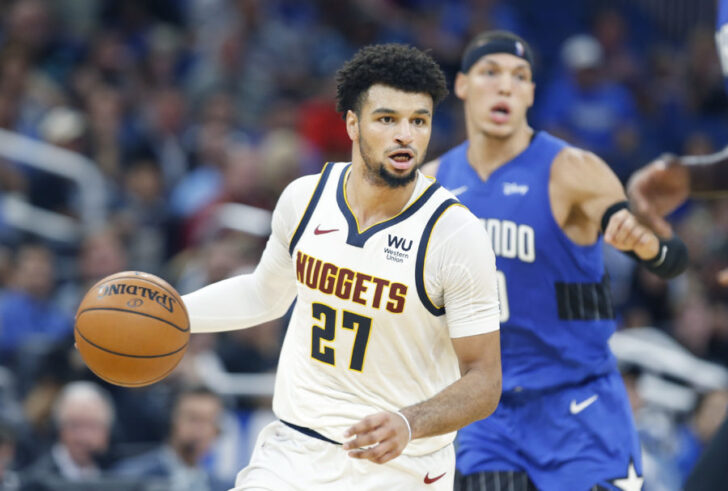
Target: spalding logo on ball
[[132, 329]]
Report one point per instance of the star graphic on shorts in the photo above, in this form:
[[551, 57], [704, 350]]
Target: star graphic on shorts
[[632, 482]]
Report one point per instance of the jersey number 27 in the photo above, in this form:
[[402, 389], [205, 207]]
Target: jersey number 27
[[320, 334]]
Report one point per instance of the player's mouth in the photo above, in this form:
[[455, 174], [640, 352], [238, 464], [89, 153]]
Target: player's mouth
[[402, 159], [500, 112]]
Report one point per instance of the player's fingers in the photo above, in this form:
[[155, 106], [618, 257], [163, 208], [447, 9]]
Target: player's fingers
[[623, 230], [367, 424], [615, 223], [379, 453], [370, 453], [638, 236], [386, 457], [639, 239], [367, 438]]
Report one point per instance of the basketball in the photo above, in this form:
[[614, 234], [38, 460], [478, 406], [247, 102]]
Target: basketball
[[132, 329]]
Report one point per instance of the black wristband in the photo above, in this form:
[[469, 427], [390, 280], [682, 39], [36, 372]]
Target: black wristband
[[671, 260], [672, 255]]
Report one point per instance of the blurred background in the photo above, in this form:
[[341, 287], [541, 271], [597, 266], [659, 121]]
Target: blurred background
[[156, 135]]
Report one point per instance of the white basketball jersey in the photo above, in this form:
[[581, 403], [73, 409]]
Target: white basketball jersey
[[364, 335]]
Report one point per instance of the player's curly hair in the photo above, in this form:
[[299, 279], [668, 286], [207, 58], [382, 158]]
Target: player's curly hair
[[395, 65]]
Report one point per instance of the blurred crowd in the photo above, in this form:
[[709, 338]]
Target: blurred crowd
[[184, 107]]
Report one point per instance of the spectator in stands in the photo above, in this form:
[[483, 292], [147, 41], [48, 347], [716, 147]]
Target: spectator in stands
[[83, 414], [165, 122], [65, 128], [143, 215], [588, 109], [196, 417], [101, 253], [29, 319]]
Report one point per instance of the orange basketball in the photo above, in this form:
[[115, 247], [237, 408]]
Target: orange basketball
[[132, 329]]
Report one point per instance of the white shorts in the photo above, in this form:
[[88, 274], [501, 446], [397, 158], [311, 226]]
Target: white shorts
[[285, 459]]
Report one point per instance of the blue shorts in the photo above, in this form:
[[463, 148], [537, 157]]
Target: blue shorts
[[571, 438]]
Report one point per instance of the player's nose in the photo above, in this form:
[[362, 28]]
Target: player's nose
[[404, 134], [505, 84]]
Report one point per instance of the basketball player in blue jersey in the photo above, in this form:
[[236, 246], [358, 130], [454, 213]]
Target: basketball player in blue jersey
[[393, 343], [564, 420]]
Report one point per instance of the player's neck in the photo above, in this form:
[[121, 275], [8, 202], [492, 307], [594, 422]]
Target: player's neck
[[373, 203], [488, 153]]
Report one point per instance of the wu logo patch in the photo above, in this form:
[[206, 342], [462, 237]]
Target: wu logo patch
[[399, 243], [397, 248]]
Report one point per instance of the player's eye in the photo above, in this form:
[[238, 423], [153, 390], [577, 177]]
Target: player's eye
[[419, 121], [386, 119]]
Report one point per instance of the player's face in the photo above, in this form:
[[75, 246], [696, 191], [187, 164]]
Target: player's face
[[497, 92], [391, 134]]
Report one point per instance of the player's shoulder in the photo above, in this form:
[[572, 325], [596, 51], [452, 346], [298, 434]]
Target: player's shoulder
[[575, 167], [302, 187], [459, 234], [571, 159], [456, 217]]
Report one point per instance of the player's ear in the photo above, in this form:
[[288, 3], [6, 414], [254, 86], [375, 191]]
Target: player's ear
[[352, 125], [461, 85]]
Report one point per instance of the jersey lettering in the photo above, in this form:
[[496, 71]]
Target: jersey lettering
[[511, 240], [347, 284]]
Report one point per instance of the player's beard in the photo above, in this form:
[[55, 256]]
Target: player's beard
[[376, 171]]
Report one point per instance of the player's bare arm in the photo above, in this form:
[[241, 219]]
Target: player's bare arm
[[474, 396], [582, 188], [665, 183]]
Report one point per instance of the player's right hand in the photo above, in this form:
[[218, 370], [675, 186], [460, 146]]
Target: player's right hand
[[379, 437], [626, 233], [658, 189]]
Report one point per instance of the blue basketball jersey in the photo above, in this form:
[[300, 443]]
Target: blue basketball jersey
[[564, 417], [556, 310]]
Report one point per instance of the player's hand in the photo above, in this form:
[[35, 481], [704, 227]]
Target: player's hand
[[626, 233], [658, 189], [384, 434]]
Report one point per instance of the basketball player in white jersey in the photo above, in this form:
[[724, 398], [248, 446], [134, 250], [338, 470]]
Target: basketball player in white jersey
[[393, 343]]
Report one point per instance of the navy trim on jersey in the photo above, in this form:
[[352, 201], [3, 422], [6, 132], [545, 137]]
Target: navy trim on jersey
[[420, 264], [311, 206], [359, 239], [585, 301], [309, 432]]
